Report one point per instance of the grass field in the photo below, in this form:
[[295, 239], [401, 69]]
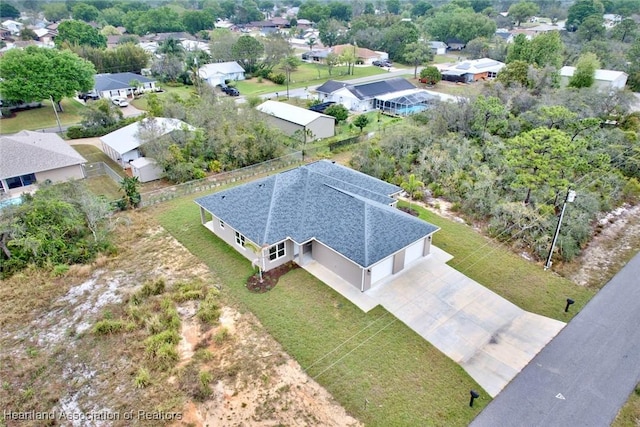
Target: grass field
[[523, 283], [306, 75], [104, 186], [629, 415], [183, 91], [380, 370], [44, 117]]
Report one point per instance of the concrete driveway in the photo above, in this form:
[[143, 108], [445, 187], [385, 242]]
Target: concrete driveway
[[491, 338]]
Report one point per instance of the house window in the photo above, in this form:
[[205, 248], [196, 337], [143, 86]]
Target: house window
[[239, 239], [221, 224], [276, 251], [21, 181]]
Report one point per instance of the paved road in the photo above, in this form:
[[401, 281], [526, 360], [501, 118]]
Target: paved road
[[587, 372]]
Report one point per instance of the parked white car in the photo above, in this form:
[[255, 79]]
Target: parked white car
[[119, 101]]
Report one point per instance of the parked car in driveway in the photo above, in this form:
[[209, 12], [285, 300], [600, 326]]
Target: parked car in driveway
[[231, 91], [382, 63], [89, 95], [119, 101]]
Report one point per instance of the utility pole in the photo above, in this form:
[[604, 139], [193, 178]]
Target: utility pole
[[571, 196]]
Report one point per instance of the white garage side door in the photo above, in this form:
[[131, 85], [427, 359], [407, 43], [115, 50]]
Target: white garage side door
[[413, 252], [382, 270]]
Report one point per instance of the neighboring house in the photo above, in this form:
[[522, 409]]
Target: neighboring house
[[323, 212], [123, 145], [216, 74], [473, 70], [603, 79], [145, 169], [28, 158], [505, 35], [195, 46], [455, 44], [13, 26], [121, 84], [291, 119], [362, 97], [363, 55], [438, 48], [318, 55]]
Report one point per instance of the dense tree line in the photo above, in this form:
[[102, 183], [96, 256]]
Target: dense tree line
[[507, 158]]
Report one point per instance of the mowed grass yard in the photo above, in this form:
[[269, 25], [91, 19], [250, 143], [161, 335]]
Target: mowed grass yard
[[43, 117], [306, 75], [379, 369]]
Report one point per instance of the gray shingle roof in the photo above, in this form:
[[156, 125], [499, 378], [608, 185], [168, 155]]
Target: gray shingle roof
[[31, 152], [369, 90], [116, 81], [342, 208]]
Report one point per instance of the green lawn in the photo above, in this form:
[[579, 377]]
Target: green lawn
[[306, 75], [93, 155], [356, 356], [43, 117], [523, 283], [629, 415], [183, 91], [104, 186]]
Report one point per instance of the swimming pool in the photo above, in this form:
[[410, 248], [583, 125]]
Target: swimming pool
[[413, 109], [10, 202]]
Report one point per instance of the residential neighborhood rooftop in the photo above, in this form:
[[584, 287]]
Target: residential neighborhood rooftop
[[116, 81], [128, 138], [288, 112], [346, 210]]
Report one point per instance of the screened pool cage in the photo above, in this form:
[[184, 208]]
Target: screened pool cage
[[406, 102]]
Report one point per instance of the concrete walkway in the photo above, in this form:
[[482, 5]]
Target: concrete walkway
[[491, 338]]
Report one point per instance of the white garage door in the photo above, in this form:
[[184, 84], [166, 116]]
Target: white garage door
[[382, 270], [413, 252]]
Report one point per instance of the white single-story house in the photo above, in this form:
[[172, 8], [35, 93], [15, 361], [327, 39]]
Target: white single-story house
[[320, 212], [438, 48], [123, 145], [14, 26], [603, 79], [216, 74], [146, 169], [291, 119], [121, 84], [28, 158], [472, 70]]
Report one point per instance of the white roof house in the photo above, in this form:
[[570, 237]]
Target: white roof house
[[216, 74], [604, 79], [473, 70], [291, 119], [14, 26], [123, 145]]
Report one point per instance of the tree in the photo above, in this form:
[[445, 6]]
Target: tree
[[55, 12], [416, 54], [130, 188], [221, 44], [311, 42], [110, 30], [580, 10], [361, 122], [28, 34], [247, 50], [412, 186], [289, 65], [85, 12], [397, 37], [542, 159], [591, 28], [348, 56], [420, 8], [627, 29], [329, 32], [340, 11], [196, 20], [276, 48], [393, 6], [545, 49], [515, 72], [8, 11], [338, 111], [478, 48], [430, 75], [461, 24], [522, 11], [80, 33], [35, 73], [112, 16], [633, 55], [171, 47], [586, 67], [314, 11]]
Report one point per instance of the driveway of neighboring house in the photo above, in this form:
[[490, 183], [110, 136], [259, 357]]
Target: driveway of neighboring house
[[491, 338]]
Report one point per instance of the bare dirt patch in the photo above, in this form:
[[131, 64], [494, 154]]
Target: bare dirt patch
[[51, 360]]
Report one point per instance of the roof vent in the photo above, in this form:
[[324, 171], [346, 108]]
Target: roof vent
[[223, 197]]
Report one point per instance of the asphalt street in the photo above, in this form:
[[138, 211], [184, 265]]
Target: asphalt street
[[584, 375]]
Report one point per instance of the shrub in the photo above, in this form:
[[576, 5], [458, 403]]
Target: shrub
[[189, 291], [107, 327], [277, 78], [143, 378], [59, 270], [149, 288], [208, 312], [221, 335]]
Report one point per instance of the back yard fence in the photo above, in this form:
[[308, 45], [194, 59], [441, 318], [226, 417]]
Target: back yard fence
[[165, 194], [100, 168]]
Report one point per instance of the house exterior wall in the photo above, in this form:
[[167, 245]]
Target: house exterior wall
[[322, 127], [121, 158], [285, 126], [345, 268], [60, 174], [268, 264]]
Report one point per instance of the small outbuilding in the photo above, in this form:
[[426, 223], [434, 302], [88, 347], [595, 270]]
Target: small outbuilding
[[603, 79], [146, 169], [291, 119]]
